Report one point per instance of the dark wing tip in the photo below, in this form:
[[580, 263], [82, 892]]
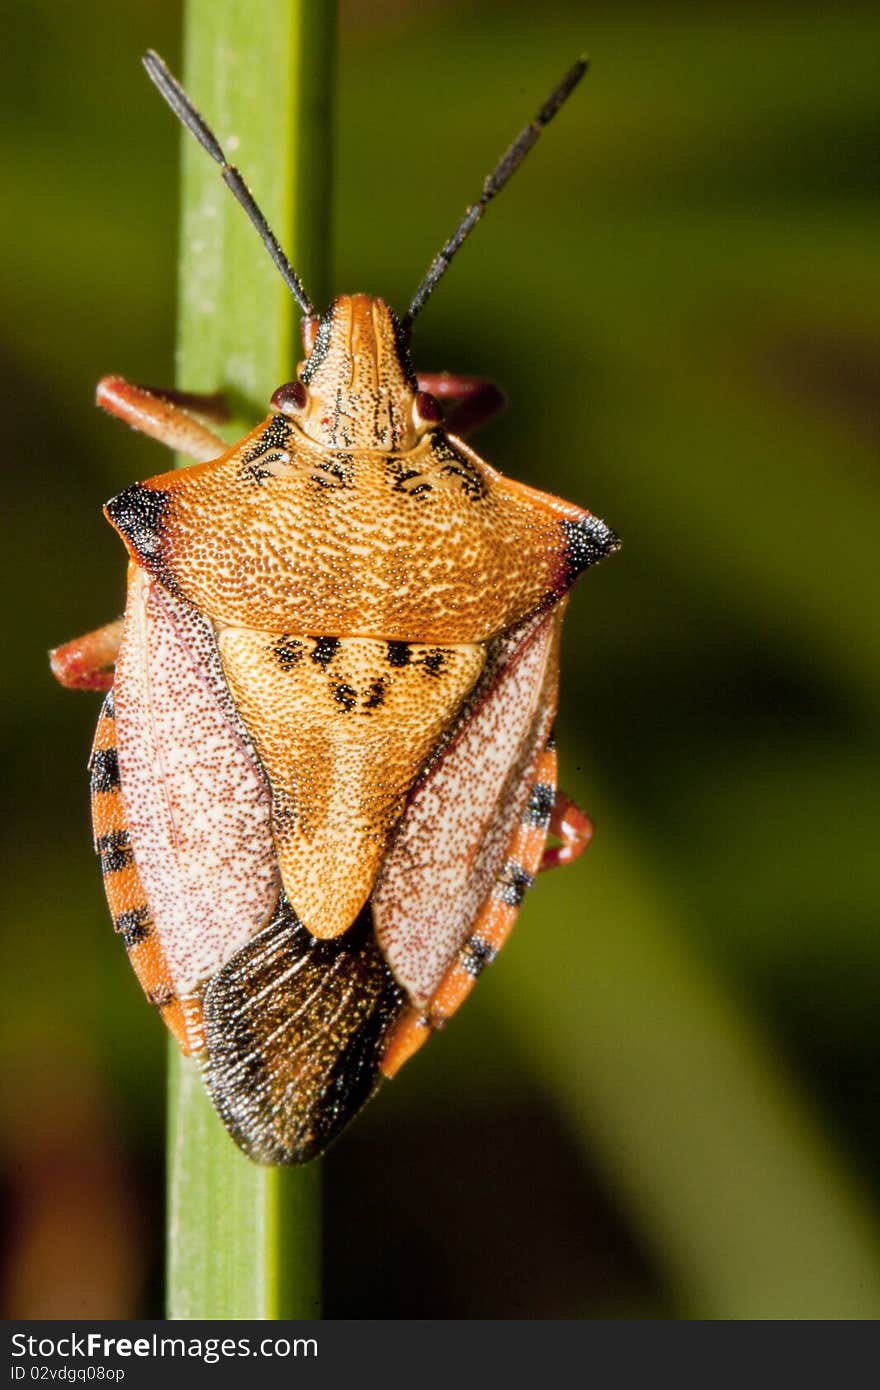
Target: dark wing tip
[[295, 1030]]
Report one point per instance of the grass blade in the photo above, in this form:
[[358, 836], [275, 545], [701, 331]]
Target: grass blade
[[243, 1241]]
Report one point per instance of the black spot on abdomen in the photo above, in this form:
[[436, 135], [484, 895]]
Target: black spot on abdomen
[[398, 653], [287, 651], [104, 770], [540, 804], [134, 926], [513, 884], [346, 696], [114, 851], [324, 650]]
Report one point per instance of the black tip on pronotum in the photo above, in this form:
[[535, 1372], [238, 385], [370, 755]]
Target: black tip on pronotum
[[172, 92], [493, 184], [140, 515], [587, 541]]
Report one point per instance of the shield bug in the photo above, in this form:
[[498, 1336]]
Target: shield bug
[[324, 773]]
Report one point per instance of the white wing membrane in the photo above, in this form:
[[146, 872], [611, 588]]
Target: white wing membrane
[[196, 800], [451, 844]]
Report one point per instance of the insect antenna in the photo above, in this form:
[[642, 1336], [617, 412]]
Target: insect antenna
[[507, 164], [183, 108]]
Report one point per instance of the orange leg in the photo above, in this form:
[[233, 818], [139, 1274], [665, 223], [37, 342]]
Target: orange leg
[[162, 416], [204, 405], [87, 662], [473, 400], [569, 824]]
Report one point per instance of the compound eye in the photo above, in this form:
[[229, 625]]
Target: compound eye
[[426, 410], [290, 399]]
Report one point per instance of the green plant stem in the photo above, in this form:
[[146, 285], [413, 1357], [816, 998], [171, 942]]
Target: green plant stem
[[244, 1241]]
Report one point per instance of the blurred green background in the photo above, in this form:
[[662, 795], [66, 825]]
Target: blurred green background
[[664, 1099]]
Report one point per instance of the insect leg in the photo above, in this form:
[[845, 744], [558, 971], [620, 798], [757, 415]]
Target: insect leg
[[473, 400], [205, 405], [569, 824], [162, 416], [87, 662]]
